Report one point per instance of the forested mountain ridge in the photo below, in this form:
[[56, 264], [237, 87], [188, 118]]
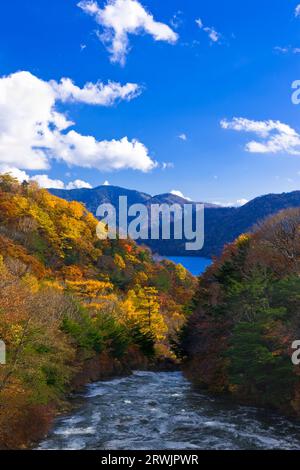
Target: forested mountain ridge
[[239, 339], [222, 224], [72, 306], [92, 198]]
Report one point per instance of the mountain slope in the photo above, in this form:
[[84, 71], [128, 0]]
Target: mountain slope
[[73, 308], [92, 198]]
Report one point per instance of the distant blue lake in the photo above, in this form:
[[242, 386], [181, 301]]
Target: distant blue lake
[[196, 266]]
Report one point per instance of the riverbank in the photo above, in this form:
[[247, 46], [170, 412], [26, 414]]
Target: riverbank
[[191, 373], [103, 384], [37, 421], [163, 411]]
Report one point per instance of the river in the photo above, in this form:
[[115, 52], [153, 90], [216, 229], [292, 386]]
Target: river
[[160, 411]]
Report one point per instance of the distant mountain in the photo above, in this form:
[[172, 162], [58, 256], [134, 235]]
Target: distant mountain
[[92, 198], [173, 199], [222, 228], [222, 225]]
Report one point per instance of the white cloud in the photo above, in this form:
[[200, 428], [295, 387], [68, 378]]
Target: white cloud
[[167, 165], [175, 192], [276, 137], [78, 184], [87, 152], [183, 137], [199, 23], [211, 32], [119, 18], [94, 93], [26, 111], [106, 183], [176, 20], [15, 172], [297, 11], [241, 202], [45, 182], [281, 49], [238, 203], [33, 132], [287, 50]]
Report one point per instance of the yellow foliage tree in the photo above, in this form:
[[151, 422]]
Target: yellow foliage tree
[[142, 308], [90, 291], [119, 261]]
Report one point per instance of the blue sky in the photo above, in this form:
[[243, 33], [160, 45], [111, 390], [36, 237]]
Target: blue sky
[[187, 87]]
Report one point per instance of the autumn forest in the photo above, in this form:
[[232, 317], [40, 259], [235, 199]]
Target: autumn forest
[[75, 309]]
